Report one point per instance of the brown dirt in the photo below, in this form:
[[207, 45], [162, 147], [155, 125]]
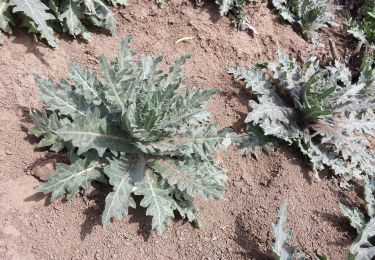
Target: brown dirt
[[236, 228]]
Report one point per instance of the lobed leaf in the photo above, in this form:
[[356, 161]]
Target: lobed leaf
[[122, 174], [36, 10], [69, 178], [281, 237], [94, 132], [61, 98], [191, 176], [156, 199]]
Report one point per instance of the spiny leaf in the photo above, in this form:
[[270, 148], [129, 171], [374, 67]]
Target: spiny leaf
[[69, 178], [199, 142], [281, 237], [185, 206], [156, 199], [256, 141], [175, 74], [113, 86], [363, 247], [72, 16], [93, 132], [102, 15], [6, 19], [369, 196], [61, 98], [87, 84], [191, 177], [46, 127], [125, 55], [36, 10], [357, 219], [122, 173]]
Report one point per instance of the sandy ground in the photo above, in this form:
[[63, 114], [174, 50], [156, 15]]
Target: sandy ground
[[236, 228]]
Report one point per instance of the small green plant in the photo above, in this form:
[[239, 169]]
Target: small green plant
[[137, 129], [363, 27], [307, 16], [323, 111], [363, 248], [68, 16]]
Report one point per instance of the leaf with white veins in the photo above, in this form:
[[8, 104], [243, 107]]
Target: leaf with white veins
[[36, 10], [156, 199], [69, 178], [122, 173]]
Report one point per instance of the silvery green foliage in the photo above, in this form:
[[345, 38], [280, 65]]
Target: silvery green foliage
[[136, 128], [307, 15], [323, 111], [282, 235], [363, 247], [238, 8], [362, 27], [70, 16]]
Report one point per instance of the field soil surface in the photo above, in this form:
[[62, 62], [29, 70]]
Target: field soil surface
[[238, 227]]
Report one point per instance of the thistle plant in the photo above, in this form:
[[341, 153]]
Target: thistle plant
[[326, 113], [307, 16], [363, 26], [68, 16], [136, 129], [363, 248]]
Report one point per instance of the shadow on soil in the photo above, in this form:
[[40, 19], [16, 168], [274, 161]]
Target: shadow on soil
[[93, 214], [247, 241], [208, 6]]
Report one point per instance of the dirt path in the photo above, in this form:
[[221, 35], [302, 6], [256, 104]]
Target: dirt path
[[237, 228]]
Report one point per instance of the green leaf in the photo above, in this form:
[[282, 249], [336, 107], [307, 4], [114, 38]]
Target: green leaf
[[308, 15], [46, 127], [350, 137], [156, 199], [362, 248], [176, 73], [94, 132], [122, 174], [369, 196], [256, 141], [357, 219], [113, 86], [101, 16], [36, 10], [6, 19], [72, 16], [69, 178], [185, 206], [199, 142], [119, 2], [281, 237], [87, 84], [192, 177], [61, 98], [125, 55]]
